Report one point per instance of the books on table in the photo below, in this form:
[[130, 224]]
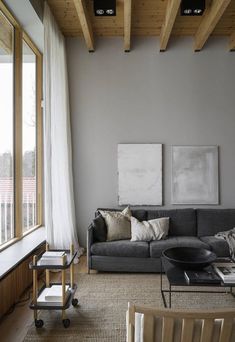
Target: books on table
[[202, 277], [53, 258], [226, 271], [52, 295]]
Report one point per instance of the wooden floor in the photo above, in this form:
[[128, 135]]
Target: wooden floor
[[14, 327]]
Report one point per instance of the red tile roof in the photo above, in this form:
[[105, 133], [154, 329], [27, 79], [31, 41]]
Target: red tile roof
[[6, 189]]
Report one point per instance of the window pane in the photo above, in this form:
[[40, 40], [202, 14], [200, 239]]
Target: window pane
[[29, 139], [6, 130]]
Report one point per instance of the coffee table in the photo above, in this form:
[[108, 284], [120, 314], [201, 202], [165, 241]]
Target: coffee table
[[175, 278]]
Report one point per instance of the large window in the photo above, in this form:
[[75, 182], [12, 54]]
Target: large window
[[29, 156], [20, 131], [6, 129]]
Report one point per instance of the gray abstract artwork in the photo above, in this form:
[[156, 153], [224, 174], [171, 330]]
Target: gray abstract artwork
[[140, 174], [195, 175]]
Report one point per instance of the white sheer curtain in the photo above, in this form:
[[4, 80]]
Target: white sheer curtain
[[59, 197]]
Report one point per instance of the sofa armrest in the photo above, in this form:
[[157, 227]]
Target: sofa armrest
[[90, 240]]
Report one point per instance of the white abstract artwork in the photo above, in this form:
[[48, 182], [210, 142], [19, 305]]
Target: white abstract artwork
[[195, 175], [140, 174]]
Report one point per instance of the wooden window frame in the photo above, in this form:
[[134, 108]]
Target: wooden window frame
[[19, 36]]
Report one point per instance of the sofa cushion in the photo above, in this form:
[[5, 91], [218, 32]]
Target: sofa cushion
[[218, 246], [123, 248], [157, 247], [99, 229], [212, 221], [182, 221], [139, 214]]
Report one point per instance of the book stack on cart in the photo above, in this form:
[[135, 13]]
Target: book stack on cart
[[53, 258], [53, 295]]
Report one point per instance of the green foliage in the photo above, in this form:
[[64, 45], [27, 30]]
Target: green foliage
[[6, 164]]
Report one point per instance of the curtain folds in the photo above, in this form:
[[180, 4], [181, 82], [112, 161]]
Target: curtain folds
[[59, 197]]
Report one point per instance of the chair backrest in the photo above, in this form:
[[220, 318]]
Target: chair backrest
[[167, 325]]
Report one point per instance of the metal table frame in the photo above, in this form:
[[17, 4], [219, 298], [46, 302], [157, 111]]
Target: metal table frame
[[171, 287]]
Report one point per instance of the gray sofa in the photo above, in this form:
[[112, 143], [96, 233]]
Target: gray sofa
[[188, 227]]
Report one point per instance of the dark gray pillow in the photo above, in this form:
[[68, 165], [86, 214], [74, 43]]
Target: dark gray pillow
[[100, 229]]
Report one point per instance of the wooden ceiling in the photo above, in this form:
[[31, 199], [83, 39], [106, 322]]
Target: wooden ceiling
[[145, 18]]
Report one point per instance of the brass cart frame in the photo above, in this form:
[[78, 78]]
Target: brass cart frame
[[66, 300]]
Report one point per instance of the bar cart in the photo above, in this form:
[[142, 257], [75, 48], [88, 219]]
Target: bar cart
[[68, 300]]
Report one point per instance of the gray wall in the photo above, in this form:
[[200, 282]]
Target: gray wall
[[28, 19], [176, 97]]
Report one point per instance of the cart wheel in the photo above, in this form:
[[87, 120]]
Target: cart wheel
[[66, 322], [38, 323], [74, 301]]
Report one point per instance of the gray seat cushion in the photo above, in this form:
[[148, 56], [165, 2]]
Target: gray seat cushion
[[182, 221], [212, 221], [123, 248], [218, 246], [157, 247]]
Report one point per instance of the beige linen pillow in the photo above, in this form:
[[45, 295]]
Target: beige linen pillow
[[156, 229], [118, 224], [127, 212]]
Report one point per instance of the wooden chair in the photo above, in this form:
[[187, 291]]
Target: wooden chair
[[168, 325]]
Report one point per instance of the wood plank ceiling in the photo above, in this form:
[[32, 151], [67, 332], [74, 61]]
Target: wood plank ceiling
[[146, 18]]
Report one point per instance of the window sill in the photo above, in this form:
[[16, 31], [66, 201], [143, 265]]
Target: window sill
[[13, 255]]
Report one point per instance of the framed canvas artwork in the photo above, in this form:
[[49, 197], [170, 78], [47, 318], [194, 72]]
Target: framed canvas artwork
[[140, 174], [195, 175]]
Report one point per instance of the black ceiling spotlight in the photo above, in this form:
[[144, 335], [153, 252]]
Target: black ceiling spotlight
[[193, 7], [105, 8]]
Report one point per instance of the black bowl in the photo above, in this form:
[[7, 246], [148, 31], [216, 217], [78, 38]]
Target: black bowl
[[189, 258]]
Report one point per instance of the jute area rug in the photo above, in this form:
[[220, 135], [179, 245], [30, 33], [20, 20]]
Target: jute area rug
[[103, 299]]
